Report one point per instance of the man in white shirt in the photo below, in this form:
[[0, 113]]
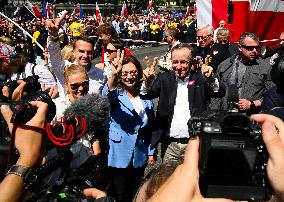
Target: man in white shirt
[[183, 93], [83, 54]]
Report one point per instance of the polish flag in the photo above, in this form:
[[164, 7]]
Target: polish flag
[[76, 10], [34, 9], [123, 10], [47, 8], [263, 17], [187, 11], [98, 13], [150, 4]]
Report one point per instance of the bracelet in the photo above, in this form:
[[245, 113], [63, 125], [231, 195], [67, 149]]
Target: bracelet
[[19, 170], [252, 105]]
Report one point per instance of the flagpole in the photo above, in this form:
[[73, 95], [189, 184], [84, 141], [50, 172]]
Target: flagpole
[[25, 32]]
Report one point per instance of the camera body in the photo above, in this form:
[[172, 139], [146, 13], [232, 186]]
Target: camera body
[[233, 157]]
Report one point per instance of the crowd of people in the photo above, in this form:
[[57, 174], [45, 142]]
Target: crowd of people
[[188, 80]]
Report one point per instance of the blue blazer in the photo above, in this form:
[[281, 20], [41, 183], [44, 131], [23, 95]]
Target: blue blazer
[[129, 135]]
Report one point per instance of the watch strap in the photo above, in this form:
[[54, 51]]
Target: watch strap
[[19, 170]]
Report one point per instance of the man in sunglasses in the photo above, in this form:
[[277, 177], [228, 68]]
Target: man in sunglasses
[[249, 73], [210, 52]]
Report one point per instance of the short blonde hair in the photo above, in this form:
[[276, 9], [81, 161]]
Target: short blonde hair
[[73, 69], [67, 53]]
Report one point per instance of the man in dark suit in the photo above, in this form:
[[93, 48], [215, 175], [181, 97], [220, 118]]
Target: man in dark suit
[[183, 93]]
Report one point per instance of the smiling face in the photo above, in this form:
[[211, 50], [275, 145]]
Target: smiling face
[[129, 76], [83, 53], [76, 81], [181, 62]]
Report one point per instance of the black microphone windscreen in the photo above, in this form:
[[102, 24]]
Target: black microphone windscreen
[[93, 107], [233, 93]]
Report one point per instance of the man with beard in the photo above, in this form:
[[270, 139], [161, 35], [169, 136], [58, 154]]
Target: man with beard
[[248, 73], [210, 52]]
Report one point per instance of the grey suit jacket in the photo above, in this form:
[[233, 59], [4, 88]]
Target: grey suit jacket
[[255, 83]]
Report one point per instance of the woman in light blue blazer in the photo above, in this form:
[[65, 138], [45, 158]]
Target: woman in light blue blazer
[[130, 129]]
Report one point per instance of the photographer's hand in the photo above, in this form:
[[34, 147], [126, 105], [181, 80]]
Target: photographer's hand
[[29, 145], [183, 184], [18, 93], [273, 137]]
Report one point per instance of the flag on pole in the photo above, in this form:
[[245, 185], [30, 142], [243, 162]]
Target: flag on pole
[[187, 11], [34, 10], [47, 8], [44, 8], [194, 9], [76, 10], [54, 8], [124, 10], [81, 13], [150, 5], [98, 13]]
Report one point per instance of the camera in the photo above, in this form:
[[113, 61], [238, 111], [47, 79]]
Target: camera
[[233, 157]]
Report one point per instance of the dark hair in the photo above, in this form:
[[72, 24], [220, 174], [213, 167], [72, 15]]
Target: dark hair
[[117, 44], [184, 45], [83, 38], [132, 59], [174, 33], [248, 35], [107, 28]]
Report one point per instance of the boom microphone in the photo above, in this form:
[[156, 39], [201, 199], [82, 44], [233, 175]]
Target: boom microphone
[[94, 108]]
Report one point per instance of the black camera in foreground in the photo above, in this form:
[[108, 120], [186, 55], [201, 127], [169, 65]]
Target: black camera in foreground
[[233, 157]]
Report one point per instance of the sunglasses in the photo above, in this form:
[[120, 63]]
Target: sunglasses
[[75, 86], [111, 51], [203, 38], [251, 48]]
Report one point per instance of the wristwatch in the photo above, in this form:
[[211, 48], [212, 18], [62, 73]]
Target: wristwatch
[[252, 105], [19, 170]]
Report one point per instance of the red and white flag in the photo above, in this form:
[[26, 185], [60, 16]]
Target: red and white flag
[[123, 10], [98, 13], [33, 9], [187, 11], [76, 10], [150, 5], [194, 8], [263, 17], [47, 10]]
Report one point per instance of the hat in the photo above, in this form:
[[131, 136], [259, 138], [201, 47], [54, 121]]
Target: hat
[[7, 51]]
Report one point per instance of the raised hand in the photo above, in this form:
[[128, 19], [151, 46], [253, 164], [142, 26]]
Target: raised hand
[[54, 24], [116, 65], [150, 70]]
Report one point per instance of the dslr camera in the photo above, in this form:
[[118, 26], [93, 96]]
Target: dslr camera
[[233, 157]]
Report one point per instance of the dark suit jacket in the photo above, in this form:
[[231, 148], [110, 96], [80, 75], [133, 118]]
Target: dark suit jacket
[[165, 87]]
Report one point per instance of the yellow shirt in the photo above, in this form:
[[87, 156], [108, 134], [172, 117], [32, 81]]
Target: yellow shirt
[[155, 28], [76, 29]]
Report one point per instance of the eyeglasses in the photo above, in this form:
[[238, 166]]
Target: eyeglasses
[[111, 51], [75, 86], [251, 48], [132, 74], [203, 38]]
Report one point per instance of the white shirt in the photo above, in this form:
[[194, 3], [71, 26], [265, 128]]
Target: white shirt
[[96, 75], [181, 115], [45, 76], [138, 107]]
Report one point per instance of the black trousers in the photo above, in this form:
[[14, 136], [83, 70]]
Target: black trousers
[[125, 182]]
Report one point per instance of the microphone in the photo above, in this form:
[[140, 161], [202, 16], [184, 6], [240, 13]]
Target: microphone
[[233, 98], [94, 108], [88, 115]]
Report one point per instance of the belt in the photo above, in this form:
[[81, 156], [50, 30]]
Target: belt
[[177, 140]]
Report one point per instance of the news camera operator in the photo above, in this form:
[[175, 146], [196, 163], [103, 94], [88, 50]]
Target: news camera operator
[[183, 184], [30, 143]]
